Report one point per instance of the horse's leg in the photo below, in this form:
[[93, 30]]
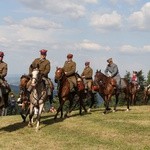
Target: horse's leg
[[21, 112], [31, 115], [71, 107], [60, 108], [92, 101], [82, 104], [106, 104], [39, 116], [128, 101], [116, 103]]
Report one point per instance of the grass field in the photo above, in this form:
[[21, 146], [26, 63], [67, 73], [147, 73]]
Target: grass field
[[114, 131]]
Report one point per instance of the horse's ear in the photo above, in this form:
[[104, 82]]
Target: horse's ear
[[31, 66], [56, 68], [38, 66]]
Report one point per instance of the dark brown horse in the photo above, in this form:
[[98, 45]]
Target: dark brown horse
[[4, 97], [24, 97], [133, 89], [65, 94], [107, 87]]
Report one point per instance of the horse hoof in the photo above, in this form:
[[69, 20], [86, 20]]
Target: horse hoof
[[89, 110], [37, 129], [104, 113], [114, 110], [30, 125], [127, 110]]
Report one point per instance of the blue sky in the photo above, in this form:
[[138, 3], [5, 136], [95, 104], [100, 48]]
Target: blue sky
[[92, 30]]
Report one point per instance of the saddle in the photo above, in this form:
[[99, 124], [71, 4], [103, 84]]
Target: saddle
[[4, 86]]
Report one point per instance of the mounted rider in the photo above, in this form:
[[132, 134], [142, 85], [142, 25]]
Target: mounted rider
[[44, 68], [3, 72], [70, 69], [135, 80], [4, 86], [87, 77], [112, 71]]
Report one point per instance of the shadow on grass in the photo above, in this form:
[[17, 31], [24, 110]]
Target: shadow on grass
[[14, 127]]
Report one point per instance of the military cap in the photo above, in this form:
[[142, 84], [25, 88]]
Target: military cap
[[87, 63], [109, 60], [1, 54], [69, 56], [43, 51]]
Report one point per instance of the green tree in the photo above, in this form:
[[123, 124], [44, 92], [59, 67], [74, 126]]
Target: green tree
[[127, 75], [148, 77]]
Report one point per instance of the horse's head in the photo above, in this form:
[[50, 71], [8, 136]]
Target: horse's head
[[59, 73], [99, 76], [36, 76], [23, 81]]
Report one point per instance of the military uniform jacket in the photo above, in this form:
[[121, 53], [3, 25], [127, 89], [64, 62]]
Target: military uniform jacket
[[112, 69], [70, 68], [3, 69], [44, 66], [88, 73]]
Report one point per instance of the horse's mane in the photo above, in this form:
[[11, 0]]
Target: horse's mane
[[99, 71], [25, 76]]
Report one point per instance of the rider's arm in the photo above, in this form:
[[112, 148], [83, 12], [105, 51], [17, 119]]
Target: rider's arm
[[115, 71], [106, 71], [4, 71], [47, 69]]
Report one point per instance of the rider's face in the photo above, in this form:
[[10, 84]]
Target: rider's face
[[43, 56], [1, 58]]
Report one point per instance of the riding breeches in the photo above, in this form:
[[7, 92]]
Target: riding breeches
[[118, 80], [73, 82], [48, 84], [88, 84]]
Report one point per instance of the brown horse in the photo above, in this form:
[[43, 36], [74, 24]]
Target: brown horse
[[64, 93], [24, 97], [107, 87], [146, 94], [4, 97], [133, 89]]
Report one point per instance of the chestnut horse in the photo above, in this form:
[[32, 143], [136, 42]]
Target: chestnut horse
[[108, 88], [64, 93]]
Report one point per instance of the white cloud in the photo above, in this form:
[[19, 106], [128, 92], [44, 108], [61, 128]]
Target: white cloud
[[140, 20], [106, 21], [90, 1], [39, 23], [29, 30], [130, 2], [128, 49], [70, 8], [146, 48], [88, 45], [34, 22]]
